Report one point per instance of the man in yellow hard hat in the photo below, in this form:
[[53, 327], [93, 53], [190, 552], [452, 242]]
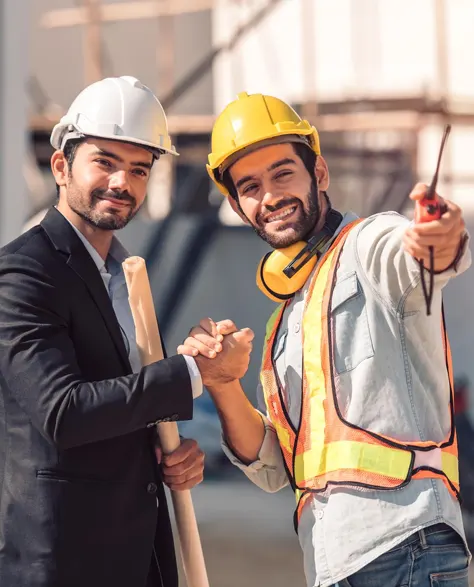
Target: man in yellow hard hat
[[356, 377]]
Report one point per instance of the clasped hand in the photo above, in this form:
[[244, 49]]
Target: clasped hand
[[221, 350]]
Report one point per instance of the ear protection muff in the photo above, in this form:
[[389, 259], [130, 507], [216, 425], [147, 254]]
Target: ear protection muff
[[283, 272]]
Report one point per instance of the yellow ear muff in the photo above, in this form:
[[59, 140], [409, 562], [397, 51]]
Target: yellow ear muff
[[271, 278], [282, 273]]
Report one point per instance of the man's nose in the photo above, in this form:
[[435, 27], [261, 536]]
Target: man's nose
[[270, 198], [119, 181]]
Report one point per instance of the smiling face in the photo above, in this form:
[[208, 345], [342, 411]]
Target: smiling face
[[106, 185], [277, 194]]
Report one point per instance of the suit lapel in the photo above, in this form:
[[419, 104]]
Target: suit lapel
[[77, 257]]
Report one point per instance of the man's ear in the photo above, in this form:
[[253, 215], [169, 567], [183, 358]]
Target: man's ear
[[322, 173], [59, 168], [236, 208]]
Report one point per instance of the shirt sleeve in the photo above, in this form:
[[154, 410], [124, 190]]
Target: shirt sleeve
[[392, 273], [268, 471], [195, 376]]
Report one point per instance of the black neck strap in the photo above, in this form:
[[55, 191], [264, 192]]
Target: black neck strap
[[316, 243]]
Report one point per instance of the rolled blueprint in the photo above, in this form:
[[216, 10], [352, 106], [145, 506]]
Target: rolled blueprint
[[151, 350]]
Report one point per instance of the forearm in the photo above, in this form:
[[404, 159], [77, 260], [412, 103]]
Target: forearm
[[393, 273], [242, 425], [94, 411], [268, 471]]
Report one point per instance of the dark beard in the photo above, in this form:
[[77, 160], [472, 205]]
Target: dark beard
[[301, 229], [92, 217]]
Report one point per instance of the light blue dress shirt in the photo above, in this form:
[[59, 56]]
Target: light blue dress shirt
[[114, 281]]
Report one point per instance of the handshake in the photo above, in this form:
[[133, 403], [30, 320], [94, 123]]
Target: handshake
[[220, 349]]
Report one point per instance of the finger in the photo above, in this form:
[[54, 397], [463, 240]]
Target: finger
[[187, 468], [199, 331], [187, 447], [451, 222], [442, 224], [186, 483], [413, 249], [209, 341], [204, 345], [248, 333], [451, 217], [210, 327], [187, 349], [423, 252], [418, 192], [438, 241], [203, 335], [226, 327], [244, 335]]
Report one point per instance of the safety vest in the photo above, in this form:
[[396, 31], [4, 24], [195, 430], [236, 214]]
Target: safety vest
[[327, 450]]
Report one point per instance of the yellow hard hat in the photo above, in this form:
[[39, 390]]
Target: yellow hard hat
[[250, 122]]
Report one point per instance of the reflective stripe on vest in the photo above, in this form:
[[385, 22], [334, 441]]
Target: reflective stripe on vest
[[326, 449]]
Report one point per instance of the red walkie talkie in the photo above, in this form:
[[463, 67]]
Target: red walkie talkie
[[431, 207]]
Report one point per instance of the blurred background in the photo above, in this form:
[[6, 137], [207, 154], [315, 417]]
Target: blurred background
[[378, 78]]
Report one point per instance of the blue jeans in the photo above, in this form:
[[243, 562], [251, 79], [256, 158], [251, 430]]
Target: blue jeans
[[433, 557]]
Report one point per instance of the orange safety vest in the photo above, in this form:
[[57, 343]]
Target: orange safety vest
[[326, 449]]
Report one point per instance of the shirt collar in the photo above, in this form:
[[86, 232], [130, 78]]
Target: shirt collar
[[117, 250], [347, 218]]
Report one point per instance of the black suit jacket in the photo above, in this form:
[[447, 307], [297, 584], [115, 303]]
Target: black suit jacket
[[78, 477]]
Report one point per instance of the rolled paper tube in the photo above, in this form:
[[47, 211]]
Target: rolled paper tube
[[151, 350]]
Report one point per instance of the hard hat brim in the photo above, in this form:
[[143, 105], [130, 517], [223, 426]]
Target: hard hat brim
[[59, 140]]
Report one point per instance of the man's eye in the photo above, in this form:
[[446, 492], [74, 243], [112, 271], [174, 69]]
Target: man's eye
[[103, 162], [283, 174], [140, 172], [249, 188]]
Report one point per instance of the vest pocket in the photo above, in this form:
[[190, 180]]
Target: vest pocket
[[352, 342]]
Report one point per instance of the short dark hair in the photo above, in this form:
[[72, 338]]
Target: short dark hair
[[70, 151], [305, 153]]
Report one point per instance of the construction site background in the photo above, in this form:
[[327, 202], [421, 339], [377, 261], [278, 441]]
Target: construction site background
[[378, 78]]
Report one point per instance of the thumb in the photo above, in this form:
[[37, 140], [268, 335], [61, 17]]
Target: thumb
[[226, 327], [245, 335], [418, 192]]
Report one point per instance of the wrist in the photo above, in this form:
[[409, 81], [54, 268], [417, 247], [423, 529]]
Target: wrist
[[217, 388], [459, 253]]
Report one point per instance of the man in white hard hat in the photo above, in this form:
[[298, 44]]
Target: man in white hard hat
[[79, 477]]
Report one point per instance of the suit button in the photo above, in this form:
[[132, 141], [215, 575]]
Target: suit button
[[151, 488]]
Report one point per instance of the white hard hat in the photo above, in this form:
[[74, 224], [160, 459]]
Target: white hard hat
[[116, 108]]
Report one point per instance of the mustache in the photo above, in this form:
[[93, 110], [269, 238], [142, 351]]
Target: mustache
[[278, 206], [117, 195]]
